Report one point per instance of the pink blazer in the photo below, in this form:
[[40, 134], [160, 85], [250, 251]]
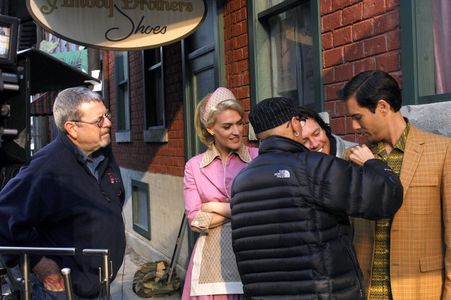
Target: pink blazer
[[208, 179]]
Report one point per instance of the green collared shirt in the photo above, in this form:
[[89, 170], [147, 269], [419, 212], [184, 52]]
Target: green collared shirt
[[380, 276]]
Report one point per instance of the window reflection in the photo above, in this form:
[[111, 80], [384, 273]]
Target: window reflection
[[292, 54]]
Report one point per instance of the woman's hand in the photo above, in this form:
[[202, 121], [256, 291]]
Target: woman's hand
[[220, 212], [220, 208], [360, 154], [206, 207]]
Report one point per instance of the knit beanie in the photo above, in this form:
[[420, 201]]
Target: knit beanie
[[272, 112]]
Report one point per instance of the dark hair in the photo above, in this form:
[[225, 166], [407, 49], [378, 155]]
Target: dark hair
[[371, 86], [307, 113]]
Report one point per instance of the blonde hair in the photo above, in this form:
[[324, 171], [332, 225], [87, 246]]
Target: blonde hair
[[201, 125]]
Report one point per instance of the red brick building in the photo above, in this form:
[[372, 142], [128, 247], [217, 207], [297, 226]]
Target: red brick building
[[302, 49]]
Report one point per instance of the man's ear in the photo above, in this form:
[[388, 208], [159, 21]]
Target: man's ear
[[296, 125], [383, 106], [71, 129]]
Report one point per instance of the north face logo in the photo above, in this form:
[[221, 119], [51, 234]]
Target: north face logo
[[282, 174]]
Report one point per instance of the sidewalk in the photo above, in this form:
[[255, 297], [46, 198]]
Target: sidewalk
[[121, 288]]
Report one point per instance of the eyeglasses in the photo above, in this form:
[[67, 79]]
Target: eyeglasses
[[99, 121]]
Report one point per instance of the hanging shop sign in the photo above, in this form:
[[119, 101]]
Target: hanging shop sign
[[119, 24]]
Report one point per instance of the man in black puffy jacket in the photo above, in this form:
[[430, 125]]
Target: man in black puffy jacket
[[290, 208]]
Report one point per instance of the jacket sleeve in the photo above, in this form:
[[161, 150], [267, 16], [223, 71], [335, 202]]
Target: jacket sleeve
[[21, 210], [193, 202], [371, 191], [446, 204]]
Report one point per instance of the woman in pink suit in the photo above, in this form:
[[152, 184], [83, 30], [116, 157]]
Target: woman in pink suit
[[212, 272]]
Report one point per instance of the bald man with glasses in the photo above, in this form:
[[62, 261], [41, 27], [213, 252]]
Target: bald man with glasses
[[70, 195]]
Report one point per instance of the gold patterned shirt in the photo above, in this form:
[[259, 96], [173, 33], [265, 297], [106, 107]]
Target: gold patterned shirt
[[380, 273]]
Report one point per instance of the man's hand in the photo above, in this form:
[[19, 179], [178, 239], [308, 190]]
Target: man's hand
[[48, 272], [360, 154]]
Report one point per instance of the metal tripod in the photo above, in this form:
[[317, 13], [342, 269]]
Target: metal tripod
[[25, 253], [104, 271]]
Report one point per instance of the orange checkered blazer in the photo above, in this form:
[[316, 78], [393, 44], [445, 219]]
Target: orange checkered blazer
[[420, 239]]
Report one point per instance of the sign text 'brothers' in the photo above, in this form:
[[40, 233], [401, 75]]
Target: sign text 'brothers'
[[119, 24]]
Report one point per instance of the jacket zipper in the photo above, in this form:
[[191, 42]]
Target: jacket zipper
[[372, 258], [356, 270]]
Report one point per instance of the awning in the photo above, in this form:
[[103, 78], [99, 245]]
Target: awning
[[43, 105], [49, 75]]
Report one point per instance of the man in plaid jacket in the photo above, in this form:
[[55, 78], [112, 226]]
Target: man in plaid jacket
[[408, 256]]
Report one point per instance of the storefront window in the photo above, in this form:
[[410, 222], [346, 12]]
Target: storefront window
[[141, 208], [291, 54], [154, 94], [122, 97], [441, 29], [426, 44], [286, 34]]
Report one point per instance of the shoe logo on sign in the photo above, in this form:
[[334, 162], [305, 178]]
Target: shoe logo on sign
[[282, 174]]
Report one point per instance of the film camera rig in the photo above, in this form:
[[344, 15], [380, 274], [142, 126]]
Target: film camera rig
[[20, 288]]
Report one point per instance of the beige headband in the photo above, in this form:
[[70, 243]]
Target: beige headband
[[219, 95]]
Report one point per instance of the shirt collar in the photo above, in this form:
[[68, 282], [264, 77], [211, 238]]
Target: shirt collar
[[83, 157], [212, 153], [80, 155], [400, 145]]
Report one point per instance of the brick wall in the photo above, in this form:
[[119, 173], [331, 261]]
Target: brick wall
[[166, 158], [236, 51], [169, 158], [357, 35]]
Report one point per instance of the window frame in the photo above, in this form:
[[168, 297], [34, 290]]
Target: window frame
[[122, 135], [154, 133], [413, 15], [141, 187], [258, 37]]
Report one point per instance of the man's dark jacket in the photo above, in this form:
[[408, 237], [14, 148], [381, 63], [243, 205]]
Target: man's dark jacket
[[56, 202], [290, 229]]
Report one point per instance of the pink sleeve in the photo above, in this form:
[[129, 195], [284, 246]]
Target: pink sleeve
[[191, 194], [253, 151]]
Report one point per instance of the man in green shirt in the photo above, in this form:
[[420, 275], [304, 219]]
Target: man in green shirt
[[408, 256]]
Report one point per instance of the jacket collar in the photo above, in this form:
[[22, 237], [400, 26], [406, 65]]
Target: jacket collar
[[212, 153], [412, 155], [79, 155], [277, 143]]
